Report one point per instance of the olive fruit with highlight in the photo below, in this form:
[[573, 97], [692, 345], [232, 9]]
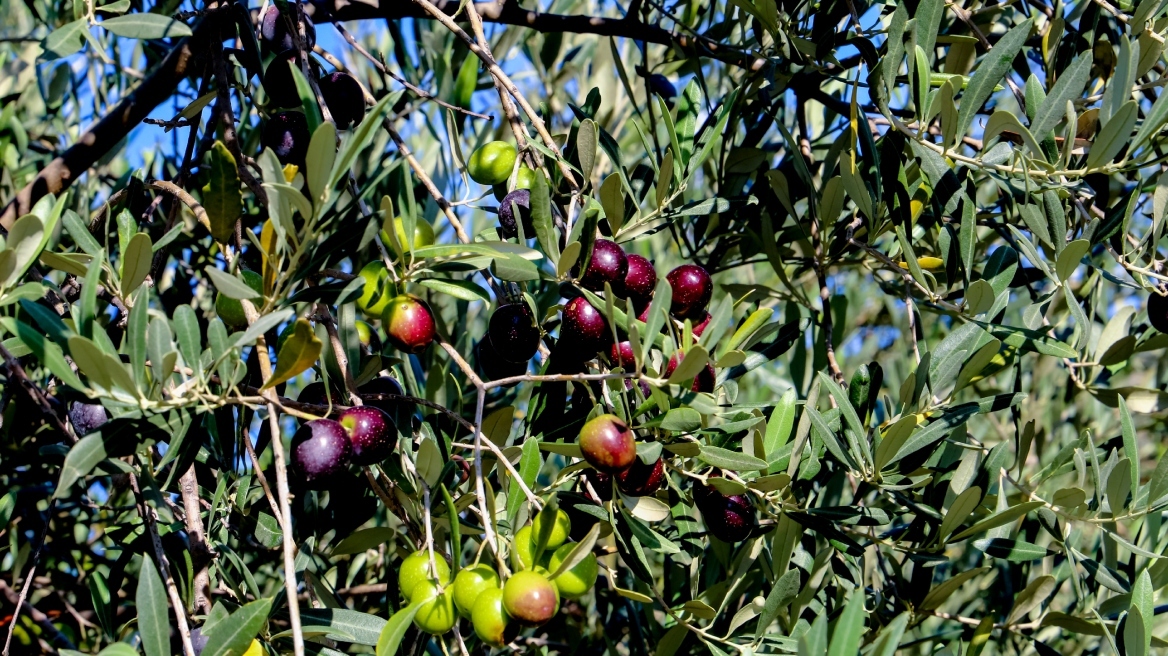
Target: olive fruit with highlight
[[530, 598], [509, 221], [607, 444], [640, 479], [423, 233], [372, 433], [526, 177], [286, 133], [692, 289], [415, 569], [621, 355], [275, 32], [583, 329], [1158, 312], [436, 614], [491, 163], [608, 264], [559, 531], [470, 583], [230, 310], [641, 279], [320, 452], [490, 620], [513, 332], [409, 324], [577, 581]]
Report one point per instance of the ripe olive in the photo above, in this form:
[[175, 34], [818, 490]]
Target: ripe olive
[[287, 135], [372, 433], [641, 279], [513, 332], [692, 289], [344, 98], [409, 324], [607, 443], [1158, 312], [320, 452]]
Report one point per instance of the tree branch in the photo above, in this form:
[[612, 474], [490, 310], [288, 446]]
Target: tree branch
[[185, 58], [509, 13]]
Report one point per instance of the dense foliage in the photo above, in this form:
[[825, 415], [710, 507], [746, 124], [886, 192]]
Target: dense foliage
[[643, 327]]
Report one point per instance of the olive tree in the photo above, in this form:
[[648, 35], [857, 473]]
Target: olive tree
[[638, 327]]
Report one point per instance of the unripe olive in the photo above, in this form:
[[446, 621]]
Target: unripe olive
[[415, 569], [378, 290], [436, 614], [491, 622], [470, 583], [561, 527], [523, 550], [577, 581], [492, 163]]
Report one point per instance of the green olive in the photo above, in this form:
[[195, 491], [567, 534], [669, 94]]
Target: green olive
[[490, 620], [423, 233], [415, 569], [523, 548], [526, 177], [492, 163], [436, 614], [577, 581], [470, 583], [559, 531], [378, 290]]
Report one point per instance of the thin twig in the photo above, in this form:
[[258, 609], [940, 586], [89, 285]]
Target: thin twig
[[149, 518], [36, 558]]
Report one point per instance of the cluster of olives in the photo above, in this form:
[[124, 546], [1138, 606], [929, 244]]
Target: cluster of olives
[[585, 331], [607, 443], [323, 449], [496, 608], [286, 132]]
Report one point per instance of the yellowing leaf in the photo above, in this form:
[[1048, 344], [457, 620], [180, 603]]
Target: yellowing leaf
[[299, 351], [927, 262]]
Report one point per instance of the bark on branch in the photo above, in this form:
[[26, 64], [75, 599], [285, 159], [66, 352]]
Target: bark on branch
[[510, 13], [113, 127]]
